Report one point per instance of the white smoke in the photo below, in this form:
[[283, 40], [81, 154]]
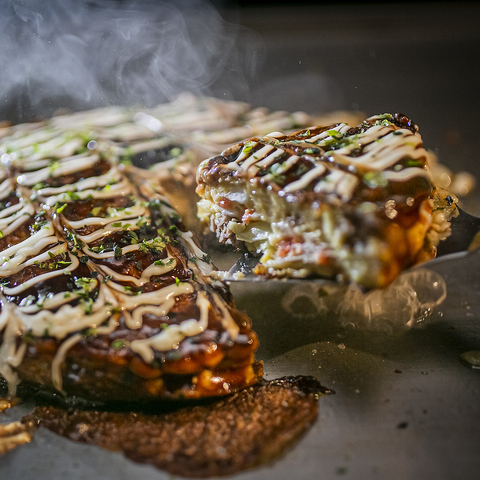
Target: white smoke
[[68, 53]]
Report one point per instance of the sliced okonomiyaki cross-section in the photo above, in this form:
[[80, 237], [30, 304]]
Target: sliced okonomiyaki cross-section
[[109, 303], [350, 202]]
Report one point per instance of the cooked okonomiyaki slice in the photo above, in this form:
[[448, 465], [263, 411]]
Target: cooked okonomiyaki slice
[[356, 203], [103, 292]]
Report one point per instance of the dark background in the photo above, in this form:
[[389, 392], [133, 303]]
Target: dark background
[[420, 59]]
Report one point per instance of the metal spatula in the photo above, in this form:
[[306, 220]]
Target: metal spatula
[[465, 235]]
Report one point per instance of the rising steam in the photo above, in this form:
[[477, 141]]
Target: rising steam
[[68, 53]]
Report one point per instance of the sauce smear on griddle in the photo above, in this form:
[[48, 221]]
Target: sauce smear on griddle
[[247, 429]]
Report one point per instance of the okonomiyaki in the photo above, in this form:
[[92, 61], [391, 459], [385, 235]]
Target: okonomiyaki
[[104, 294], [353, 203]]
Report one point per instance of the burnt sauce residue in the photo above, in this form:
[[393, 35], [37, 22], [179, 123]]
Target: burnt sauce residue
[[244, 430]]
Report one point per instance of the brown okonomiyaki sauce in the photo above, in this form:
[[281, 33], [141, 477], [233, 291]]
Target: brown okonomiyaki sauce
[[208, 438]]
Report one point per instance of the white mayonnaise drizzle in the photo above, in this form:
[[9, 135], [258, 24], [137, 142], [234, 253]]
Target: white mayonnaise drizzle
[[341, 183], [158, 302], [246, 151], [271, 158], [170, 338], [11, 210], [27, 138], [157, 297], [186, 238], [382, 149], [5, 188], [19, 214], [68, 319], [306, 179], [58, 145], [227, 320], [383, 146], [62, 351], [59, 359], [341, 128], [10, 354], [149, 272], [66, 166], [17, 254], [42, 277], [257, 156], [118, 186]]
